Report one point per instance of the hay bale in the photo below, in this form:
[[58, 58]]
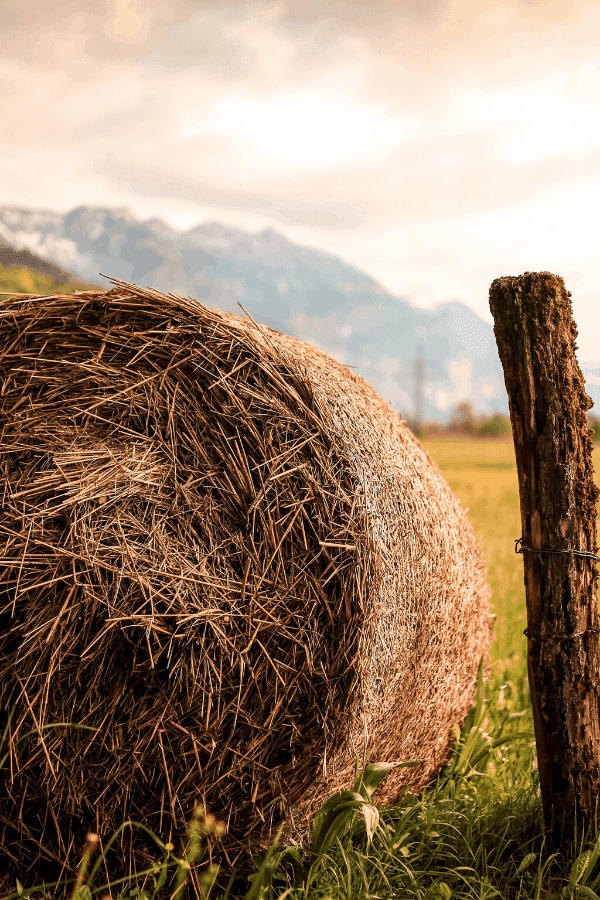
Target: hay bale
[[223, 551]]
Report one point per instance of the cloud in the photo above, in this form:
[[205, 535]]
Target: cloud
[[435, 143], [137, 177]]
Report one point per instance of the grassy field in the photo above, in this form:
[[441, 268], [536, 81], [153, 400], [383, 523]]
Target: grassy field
[[26, 282], [475, 833], [482, 473]]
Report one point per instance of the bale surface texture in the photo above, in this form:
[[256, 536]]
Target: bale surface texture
[[225, 556]]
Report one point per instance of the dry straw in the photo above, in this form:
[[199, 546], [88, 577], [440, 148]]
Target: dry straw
[[225, 553]]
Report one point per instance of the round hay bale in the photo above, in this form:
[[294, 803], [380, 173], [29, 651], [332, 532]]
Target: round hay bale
[[229, 558]]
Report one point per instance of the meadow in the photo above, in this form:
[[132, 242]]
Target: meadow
[[483, 475], [26, 282]]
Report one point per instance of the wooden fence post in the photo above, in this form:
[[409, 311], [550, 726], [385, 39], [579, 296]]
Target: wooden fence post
[[536, 342]]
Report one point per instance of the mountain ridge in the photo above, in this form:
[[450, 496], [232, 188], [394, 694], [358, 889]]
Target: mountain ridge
[[302, 291]]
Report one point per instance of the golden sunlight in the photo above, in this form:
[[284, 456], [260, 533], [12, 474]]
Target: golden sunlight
[[299, 128]]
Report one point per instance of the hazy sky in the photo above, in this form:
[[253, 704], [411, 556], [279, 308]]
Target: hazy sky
[[436, 144]]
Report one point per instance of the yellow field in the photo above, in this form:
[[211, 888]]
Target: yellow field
[[24, 281], [482, 473]]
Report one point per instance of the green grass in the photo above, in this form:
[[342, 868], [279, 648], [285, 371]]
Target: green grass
[[477, 832], [483, 475], [22, 281]]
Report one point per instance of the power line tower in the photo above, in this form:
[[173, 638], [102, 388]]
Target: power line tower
[[419, 377]]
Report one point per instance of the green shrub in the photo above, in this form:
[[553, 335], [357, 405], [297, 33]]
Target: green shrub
[[497, 425], [594, 423]]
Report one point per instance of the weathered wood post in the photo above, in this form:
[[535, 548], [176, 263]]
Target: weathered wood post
[[536, 342]]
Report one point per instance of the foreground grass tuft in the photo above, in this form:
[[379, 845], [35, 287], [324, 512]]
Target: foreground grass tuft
[[476, 832]]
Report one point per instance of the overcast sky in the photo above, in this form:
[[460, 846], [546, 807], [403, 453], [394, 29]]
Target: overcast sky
[[436, 144]]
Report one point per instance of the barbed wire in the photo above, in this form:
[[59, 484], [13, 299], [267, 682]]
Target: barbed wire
[[585, 553]]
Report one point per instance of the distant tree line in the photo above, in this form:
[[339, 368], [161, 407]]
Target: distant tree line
[[464, 421]]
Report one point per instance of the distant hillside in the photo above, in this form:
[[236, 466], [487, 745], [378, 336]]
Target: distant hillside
[[25, 272], [22, 281]]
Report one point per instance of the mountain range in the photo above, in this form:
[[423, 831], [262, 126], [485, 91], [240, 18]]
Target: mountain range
[[299, 290]]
